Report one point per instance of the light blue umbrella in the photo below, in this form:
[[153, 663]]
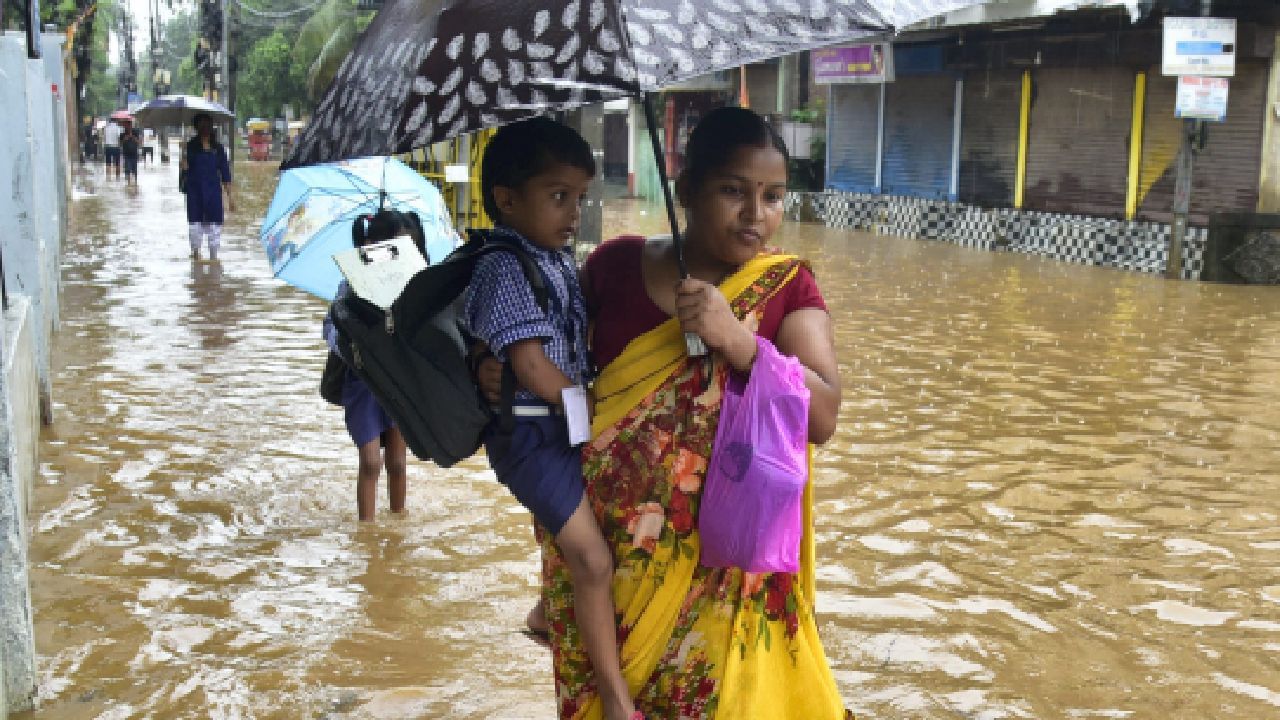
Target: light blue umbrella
[[314, 207]]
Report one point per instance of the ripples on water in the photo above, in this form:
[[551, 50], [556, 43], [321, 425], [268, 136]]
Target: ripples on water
[[1051, 495]]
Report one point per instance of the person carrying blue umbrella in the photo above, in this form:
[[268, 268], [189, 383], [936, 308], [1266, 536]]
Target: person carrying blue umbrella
[[208, 175]]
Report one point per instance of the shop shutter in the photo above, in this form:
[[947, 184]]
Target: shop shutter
[[919, 133], [989, 137], [852, 136], [1226, 171], [1078, 155]]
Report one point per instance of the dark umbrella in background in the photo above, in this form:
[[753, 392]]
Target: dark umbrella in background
[[426, 71]]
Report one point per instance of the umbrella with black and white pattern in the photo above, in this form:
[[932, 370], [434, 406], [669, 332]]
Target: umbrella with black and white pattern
[[426, 71]]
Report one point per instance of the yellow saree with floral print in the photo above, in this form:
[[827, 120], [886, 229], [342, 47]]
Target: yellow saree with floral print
[[695, 642]]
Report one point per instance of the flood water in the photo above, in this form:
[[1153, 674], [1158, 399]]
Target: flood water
[[1053, 494]]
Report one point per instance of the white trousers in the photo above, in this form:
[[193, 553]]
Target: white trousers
[[199, 231]]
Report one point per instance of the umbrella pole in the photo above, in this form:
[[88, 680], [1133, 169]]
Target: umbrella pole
[[693, 345], [666, 186]]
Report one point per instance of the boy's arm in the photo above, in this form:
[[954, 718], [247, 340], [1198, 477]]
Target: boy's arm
[[535, 371]]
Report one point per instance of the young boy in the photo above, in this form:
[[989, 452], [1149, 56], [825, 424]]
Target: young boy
[[534, 176]]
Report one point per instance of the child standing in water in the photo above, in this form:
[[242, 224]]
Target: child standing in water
[[534, 176]]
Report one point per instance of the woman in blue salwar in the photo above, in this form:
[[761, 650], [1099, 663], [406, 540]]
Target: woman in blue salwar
[[208, 176]]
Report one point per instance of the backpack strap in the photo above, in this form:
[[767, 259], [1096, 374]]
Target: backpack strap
[[541, 295]]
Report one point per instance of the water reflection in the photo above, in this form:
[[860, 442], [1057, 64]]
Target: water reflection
[[1052, 494]]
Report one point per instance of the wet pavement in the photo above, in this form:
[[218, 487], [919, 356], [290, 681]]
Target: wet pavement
[[1053, 494]]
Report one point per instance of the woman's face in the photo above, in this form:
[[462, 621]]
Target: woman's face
[[737, 207]]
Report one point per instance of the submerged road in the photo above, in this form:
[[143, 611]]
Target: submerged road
[[1053, 494]]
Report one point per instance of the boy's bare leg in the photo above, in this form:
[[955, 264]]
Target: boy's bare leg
[[367, 479], [591, 568], [396, 459]]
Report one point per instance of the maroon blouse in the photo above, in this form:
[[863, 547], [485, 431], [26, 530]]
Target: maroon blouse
[[621, 310]]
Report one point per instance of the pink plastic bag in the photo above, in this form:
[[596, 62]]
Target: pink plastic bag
[[751, 514]]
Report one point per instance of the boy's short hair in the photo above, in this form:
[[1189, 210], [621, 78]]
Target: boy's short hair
[[526, 148]]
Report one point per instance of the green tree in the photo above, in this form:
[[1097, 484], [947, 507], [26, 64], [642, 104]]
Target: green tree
[[268, 78]]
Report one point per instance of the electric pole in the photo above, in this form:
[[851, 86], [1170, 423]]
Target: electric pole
[[1192, 143]]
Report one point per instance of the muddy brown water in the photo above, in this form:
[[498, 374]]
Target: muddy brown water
[[1053, 494]]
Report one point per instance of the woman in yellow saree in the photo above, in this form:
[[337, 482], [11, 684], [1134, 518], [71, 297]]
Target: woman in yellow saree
[[697, 642]]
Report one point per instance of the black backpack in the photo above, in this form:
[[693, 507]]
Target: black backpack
[[413, 357]]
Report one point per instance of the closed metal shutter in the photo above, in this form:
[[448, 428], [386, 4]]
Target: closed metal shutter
[[1226, 171], [852, 137], [919, 134], [1078, 155], [989, 137]]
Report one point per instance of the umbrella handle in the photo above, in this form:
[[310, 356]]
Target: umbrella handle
[[693, 345]]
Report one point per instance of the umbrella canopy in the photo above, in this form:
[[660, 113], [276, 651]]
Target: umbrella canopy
[[179, 109], [422, 73], [122, 115], [311, 214]]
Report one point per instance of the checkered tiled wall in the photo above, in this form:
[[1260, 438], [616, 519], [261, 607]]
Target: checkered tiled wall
[[1141, 246]]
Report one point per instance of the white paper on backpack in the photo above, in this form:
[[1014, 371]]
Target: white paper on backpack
[[575, 414], [379, 272]]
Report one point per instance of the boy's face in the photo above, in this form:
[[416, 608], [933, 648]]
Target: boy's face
[[546, 208]]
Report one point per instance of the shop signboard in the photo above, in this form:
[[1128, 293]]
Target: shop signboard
[[1204, 46], [869, 63], [1202, 98]]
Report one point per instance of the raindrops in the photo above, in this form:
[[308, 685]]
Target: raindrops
[[423, 86], [569, 50], [505, 98], [490, 71], [607, 41], [451, 83], [640, 35], [721, 24], [541, 71], [511, 40], [539, 51], [593, 63], [760, 27], [480, 47], [598, 12], [541, 22], [570, 16], [686, 13], [669, 33], [417, 118], [650, 14], [515, 72], [454, 48], [451, 108], [700, 37]]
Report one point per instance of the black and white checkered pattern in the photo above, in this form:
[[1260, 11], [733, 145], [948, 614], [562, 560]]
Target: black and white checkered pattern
[[1128, 245]]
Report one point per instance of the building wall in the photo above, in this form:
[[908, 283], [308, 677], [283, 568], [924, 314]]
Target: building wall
[[1226, 170], [989, 137], [1078, 156], [1081, 118]]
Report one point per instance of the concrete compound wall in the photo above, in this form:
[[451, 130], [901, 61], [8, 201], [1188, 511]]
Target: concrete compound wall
[[34, 192], [1128, 245], [20, 418]]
